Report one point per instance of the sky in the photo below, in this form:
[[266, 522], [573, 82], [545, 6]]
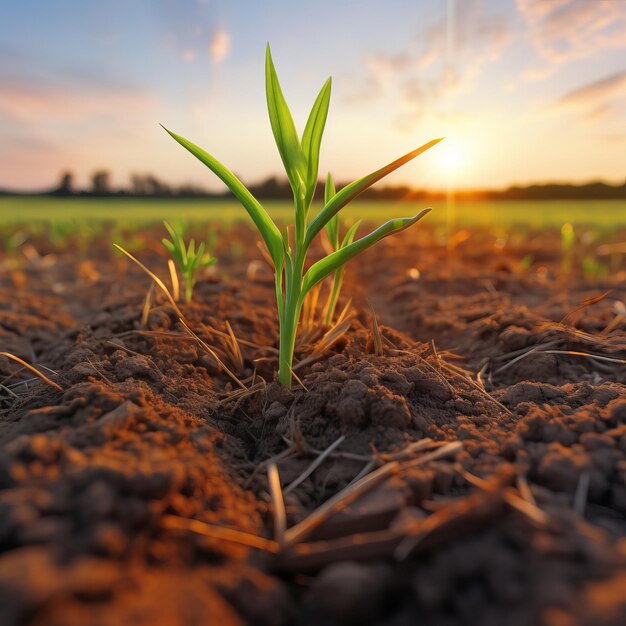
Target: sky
[[523, 90]]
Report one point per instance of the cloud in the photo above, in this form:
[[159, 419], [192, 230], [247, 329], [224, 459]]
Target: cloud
[[537, 73], [566, 30], [598, 100], [219, 46], [39, 104], [599, 89], [46, 126], [439, 63], [475, 33]]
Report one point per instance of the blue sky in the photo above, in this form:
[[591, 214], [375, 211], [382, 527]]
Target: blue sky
[[524, 90]]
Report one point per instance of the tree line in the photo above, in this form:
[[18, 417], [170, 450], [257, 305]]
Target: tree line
[[149, 186]]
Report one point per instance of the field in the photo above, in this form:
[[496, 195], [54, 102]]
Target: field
[[604, 214], [453, 453]]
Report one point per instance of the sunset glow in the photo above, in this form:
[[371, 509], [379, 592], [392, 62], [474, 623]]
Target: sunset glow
[[504, 74], [452, 157]]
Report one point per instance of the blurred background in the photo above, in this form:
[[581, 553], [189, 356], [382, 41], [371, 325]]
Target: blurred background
[[530, 94]]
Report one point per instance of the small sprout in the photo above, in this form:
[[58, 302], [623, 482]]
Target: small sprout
[[568, 241], [593, 269], [188, 259], [300, 156], [527, 262]]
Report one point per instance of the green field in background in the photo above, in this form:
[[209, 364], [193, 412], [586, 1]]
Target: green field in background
[[130, 212]]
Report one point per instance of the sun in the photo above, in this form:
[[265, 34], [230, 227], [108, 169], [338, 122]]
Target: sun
[[452, 156]]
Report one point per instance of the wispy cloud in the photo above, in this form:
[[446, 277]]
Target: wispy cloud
[[599, 99], [599, 89], [566, 30], [46, 127], [442, 61], [219, 46], [35, 103]]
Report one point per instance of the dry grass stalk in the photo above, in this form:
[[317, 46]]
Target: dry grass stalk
[[265, 253], [30, 368], [119, 346], [274, 459], [299, 381], [221, 533], [400, 455], [328, 339], [174, 278], [377, 339], [588, 355], [154, 277], [235, 398], [278, 503], [467, 377], [186, 337], [344, 312], [481, 373], [213, 354], [530, 510], [233, 348], [410, 450], [314, 465], [365, 470], [511, 497], [9, 391], [303, 529], [302, 445], [524, 489], [459, 516], [523, 353], [308, 317], [352, 492], [572, 316], [434, 349], [100, 373], [147, 304], [620, 315]]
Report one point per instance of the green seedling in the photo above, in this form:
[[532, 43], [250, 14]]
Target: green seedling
[[332, 230], [527, 262], [593, 269], [300, 156], [568, 241], [188, 259]]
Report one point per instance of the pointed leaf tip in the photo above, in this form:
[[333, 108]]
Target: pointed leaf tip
[[322, 268], [284, 129], [351, 191], [269, 231]]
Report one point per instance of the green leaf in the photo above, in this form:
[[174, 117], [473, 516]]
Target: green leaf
[[176, 233], [318, 271], [329, 188], [269, 231], [312, 138], [284, 129], [351, 191], [170, 229], [349, 238], [332, 226]]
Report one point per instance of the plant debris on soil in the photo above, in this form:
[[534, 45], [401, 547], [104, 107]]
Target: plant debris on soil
[[459, 460]]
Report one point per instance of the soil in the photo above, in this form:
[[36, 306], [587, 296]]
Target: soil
[[489, 403]]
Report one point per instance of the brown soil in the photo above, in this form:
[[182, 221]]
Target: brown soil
[[521, 522]]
